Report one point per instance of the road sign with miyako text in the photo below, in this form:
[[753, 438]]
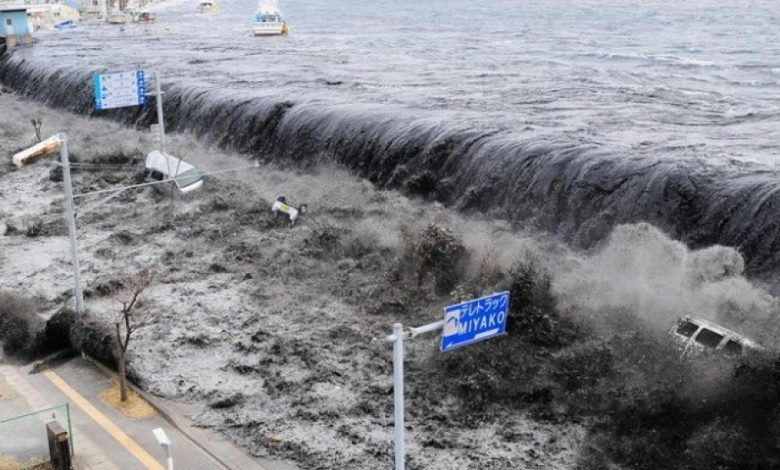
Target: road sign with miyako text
[[117, 90], [475, 320]]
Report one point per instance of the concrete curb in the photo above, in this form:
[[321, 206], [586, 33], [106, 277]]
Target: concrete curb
[[246, 463]]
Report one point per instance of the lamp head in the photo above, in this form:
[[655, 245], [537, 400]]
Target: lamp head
[[161, 437]]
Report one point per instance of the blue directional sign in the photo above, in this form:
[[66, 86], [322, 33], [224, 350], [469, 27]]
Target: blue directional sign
[[474, 320], [117, 90]]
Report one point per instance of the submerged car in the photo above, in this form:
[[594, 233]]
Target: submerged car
[[696, 335], [161, 166]]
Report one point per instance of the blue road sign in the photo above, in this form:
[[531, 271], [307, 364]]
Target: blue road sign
[[117, 90], [474, 320]]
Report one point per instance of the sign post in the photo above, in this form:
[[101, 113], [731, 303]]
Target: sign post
[[160, 120], [464, 323], [398, 394], [121, 89], [112, 90]]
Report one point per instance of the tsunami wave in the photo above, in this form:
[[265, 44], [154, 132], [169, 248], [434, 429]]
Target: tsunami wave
[[572, 187]]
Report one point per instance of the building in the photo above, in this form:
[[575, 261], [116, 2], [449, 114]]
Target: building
[[47, 15], [92, 8], [15, 26]]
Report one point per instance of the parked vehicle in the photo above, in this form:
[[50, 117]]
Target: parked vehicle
[[696, 335]]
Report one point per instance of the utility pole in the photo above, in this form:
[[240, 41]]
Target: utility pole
[[71, 216]]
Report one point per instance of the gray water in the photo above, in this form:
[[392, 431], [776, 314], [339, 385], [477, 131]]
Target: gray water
[[578, 115], [666, 75]]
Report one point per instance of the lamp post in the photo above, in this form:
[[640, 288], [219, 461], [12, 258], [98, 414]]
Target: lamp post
[[165, 443]]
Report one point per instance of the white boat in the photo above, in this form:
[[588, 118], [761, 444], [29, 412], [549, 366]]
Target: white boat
[[208, 6], [132, 12], [269, 21], [118, 18]]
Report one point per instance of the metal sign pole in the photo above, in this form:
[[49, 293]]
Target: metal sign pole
[[71, 216], [398, 394], [161, 126], [463, 324], [397, 339], [160, 120]]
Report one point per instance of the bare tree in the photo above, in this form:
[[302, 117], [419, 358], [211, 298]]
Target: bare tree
[[126, 322], [36, 122]]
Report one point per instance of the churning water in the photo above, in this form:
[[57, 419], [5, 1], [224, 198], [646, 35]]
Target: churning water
[[576, 115]]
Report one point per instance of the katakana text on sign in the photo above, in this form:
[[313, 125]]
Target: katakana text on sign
[[474, 320]]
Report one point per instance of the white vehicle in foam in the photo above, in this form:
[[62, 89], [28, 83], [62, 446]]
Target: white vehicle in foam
[[697, 335], [162, 166], [269, 21], [281, 207]]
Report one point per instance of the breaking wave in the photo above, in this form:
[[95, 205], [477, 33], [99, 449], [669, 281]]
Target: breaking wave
[[571, 186]]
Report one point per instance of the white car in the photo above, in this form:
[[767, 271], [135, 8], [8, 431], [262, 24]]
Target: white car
[[162, 166], [696, 335], [280, 206]]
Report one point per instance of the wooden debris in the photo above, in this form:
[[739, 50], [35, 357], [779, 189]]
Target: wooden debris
[[47, 147]]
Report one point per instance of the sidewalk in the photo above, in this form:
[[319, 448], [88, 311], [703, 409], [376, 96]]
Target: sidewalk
[[24, 397], [104, 439]]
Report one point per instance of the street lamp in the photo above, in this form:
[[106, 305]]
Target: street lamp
[[163, 440]]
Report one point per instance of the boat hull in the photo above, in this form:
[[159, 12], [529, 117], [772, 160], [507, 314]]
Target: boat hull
[[269, 29]]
